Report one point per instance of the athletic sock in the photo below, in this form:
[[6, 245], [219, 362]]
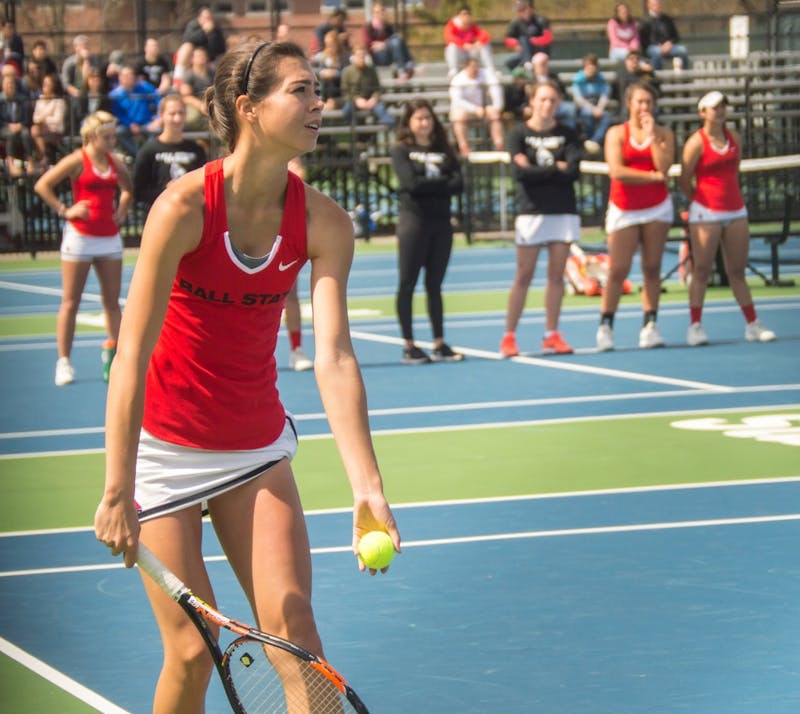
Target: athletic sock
[[695, 313], [749, 312], [607, 318], [649, 316], [295, 339]]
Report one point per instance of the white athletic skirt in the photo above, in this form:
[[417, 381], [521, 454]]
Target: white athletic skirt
[[171, 477], [617, 218], [539, 228], [698, 213], [80, 248]]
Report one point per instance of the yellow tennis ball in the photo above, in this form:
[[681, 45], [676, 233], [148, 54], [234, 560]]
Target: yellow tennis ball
[[376, 549]]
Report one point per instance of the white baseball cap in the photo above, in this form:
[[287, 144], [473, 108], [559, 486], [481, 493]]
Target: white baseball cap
[[711, 100]]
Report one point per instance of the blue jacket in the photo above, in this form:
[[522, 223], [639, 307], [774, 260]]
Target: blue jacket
[[592, 91], [135, 107]]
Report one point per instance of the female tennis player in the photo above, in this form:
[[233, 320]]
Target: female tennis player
[[717, 215], [639, 153], [193, 413]]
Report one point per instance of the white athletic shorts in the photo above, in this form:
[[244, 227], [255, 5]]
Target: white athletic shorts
[[698, 213], [540, 229], [78, 247], [171, 477], [617, 218]]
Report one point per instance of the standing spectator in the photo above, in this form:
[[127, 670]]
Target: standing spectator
[[527, 34], [154, 67], [337, 23], [428, 175], [91, 233], [361, 89], [463, 38], [40, 55], [134, 105], [49, 121], [385, 45], [717, 216], [639, 154], [13, 48], [75, 68], [476, 94], [15, 124], [201, 31], [329, 63], [660, 38], [545, 163], [196, 81], [165, 157], [92, 98], [591, 93], [542, 73], [622, 32]]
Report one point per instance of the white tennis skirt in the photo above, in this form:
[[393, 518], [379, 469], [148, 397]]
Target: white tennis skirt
[[698, 213], [170, 477], [617, 218], [77, 247], [539, 228]]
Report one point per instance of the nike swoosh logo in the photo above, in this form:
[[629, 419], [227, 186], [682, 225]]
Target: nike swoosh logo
[[285, 266]]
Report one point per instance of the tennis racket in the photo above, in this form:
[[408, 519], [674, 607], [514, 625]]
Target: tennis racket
[[261, 673]]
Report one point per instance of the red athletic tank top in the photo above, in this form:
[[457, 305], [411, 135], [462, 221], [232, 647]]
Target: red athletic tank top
[[717, 175], [212, 379], [100, 190], [635, 196]]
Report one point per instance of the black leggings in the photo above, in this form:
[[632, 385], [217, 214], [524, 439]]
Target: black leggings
[[422, 243]]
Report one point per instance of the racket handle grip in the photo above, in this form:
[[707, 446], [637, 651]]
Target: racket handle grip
[[163, 576]]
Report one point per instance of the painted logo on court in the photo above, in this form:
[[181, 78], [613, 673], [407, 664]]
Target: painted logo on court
[[774, 428]]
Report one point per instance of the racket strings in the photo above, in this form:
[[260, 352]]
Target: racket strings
[[268, 680]]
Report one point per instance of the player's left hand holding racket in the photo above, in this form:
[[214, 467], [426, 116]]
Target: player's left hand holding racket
[[260, 672]]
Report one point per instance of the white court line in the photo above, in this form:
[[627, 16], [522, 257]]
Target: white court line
[[59, 679]]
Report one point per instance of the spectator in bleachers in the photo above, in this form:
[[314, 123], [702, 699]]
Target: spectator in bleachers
[[630, 71], [337, 23], [15, 124], [134, 103], [476, 95], [31, 81], [516, 95], [76, 66], [361, 90], [717, 216], [168, 156], [622, 31], [92, 98], [49, 121], [428, 176], [201, 31], [154, 67], [112, 68], [329, 63], [527, 34], [640, 212], [545, 163], [386, 46], [591, 93], [659, 37], [464, 38], [566, 114], [198, 78], [40, 55], [13, 48]]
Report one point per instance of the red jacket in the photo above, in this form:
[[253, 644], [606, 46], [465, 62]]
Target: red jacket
[[460, 36]]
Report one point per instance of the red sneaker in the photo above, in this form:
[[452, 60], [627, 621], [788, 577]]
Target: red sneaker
[[555, 345], [508, 345]]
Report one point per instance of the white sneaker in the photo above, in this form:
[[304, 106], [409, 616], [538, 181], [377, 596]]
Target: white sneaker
[[650, 337], [605, 338], [65, 374], [591, 147], [696, 335], [298, 361], [756, 332]]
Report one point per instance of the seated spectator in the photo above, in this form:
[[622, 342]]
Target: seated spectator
[[516, 95], [591, 93], [197, 79], [15, 124], [329, 64], [49, 121], [361, 89], [337, 23], [31, 81], [134, 103], [660, 38], [13, 48], [201, 31], [527, 34], [386, 47], [463, 39], [566, 113], [476, 94], [622, 32], [42, 58], [77, 66], [93, 98], [153, 67], [630, 71], [111, 68]]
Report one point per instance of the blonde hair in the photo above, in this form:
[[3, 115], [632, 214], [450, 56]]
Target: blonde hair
[[95, 121]]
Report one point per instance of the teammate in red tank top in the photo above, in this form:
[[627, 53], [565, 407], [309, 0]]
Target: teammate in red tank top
[[221, 248], [639, 154], [717, 216], [101, 195]]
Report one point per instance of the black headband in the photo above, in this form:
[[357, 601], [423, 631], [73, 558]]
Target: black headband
[[246, 76]]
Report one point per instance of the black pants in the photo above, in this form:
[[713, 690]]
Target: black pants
[[422, 243]]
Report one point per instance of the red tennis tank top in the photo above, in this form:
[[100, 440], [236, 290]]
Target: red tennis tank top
[[100, 190], [635, 196], [717, 175], [212, 379]]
